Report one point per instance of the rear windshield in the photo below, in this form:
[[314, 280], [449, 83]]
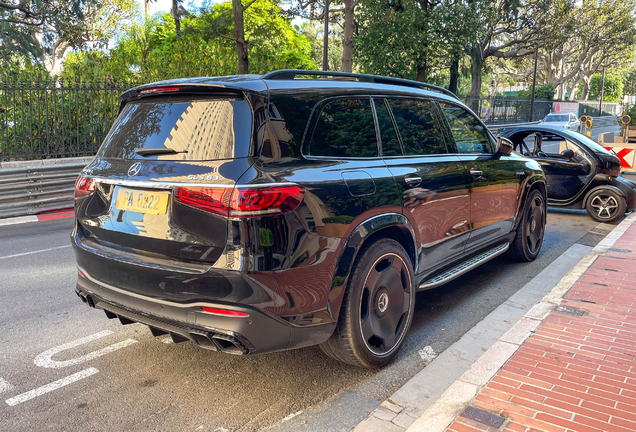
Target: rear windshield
[[557, 118], [195, 129]]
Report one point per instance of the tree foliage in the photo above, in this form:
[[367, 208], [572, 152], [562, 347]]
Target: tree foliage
[[543, 91], [613, 90], [151, 51]]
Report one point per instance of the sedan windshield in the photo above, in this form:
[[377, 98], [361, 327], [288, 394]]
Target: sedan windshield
[[556, 118]]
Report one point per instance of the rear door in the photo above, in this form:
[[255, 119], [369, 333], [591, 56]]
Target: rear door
[[433, 184], [345, 178], [494, 180]]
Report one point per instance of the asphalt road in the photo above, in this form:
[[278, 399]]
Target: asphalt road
[[118, 377]]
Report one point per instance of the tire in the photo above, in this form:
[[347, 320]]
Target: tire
[[377, 307], [529, 239], [605, 205]]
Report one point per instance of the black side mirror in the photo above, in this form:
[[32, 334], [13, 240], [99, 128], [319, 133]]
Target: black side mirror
[[568, 154], [504, 146]]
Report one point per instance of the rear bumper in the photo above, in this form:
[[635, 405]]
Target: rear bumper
[[254, 334]]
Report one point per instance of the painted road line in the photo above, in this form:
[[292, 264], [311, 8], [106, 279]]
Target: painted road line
[[51, 386], [34, 252], [18, 220], [4, 385], [44, 360]]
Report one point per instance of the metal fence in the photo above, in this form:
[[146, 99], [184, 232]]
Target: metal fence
[[44, 119], [495, 111]]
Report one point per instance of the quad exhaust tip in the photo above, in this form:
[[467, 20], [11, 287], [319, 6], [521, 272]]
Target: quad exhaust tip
[[208, 340], [85, 298]]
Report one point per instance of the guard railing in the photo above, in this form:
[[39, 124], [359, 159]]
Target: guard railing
[[32, 189]]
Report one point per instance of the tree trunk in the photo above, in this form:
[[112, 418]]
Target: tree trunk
[[585, 88], [476, 69], [347, 41], [325, 39], [422, 72], [175, 15], [454, 75], [239, 34]]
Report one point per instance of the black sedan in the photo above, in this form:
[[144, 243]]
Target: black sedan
[[580, 173]]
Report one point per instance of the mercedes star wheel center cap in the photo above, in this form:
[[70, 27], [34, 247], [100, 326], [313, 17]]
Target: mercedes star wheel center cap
[[383, 302]]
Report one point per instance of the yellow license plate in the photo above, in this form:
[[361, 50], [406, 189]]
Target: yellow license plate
[[142, 201]]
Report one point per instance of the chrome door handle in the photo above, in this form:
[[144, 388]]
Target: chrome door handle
[[413, 181], [475, 172]]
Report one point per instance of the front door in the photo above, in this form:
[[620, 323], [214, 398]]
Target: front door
[[494, 181], [565, 176]]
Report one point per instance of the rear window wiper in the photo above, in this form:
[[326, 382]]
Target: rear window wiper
[[158, 151]]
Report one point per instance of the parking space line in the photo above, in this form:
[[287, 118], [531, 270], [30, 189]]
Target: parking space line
[[34, 252], [50, 387], [44, 360], [4, 385]]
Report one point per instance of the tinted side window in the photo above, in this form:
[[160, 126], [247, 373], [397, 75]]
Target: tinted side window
[[418, 128], [469, 134], [345, 128], [390, 142]]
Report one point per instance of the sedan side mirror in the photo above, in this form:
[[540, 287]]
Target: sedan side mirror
[[568, 154], [504, 146]]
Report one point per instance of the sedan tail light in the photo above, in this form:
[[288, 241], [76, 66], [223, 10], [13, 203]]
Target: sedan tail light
[[84, 186], [242, 201]]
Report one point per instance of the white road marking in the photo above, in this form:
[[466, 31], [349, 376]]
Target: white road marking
[[291, 416], [34, 252], [50, 387], [44, 360], [4, 385], [427, 353]]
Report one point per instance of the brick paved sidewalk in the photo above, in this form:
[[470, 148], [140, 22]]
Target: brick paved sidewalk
[[574, 373]]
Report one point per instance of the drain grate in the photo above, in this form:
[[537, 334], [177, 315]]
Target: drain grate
[[484, 417], [572, 311], [620, 250]]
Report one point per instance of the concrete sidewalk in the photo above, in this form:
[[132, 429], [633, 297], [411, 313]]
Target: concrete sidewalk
[[568, 365]]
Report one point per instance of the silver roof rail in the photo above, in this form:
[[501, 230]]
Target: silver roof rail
[[290, 74]]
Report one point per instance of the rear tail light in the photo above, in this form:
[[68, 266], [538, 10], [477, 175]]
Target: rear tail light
[[243, 201], [84, 186]]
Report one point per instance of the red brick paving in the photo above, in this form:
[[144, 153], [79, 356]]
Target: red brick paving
[[575, 373]]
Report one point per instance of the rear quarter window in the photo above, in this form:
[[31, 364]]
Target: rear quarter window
[[345, 128], [207, 129]]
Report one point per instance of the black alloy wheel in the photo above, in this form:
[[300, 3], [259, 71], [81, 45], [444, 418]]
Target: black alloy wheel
[[529, 238], [605, 205], [377, 308]]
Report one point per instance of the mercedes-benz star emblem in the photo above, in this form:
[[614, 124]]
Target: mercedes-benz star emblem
[[134, 169], [383, 302]]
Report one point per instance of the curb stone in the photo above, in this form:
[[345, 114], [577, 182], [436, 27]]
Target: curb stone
[[441, 414], [37, 218]]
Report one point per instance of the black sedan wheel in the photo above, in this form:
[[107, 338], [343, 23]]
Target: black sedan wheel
[[377, 308], [605, 205], [529, 238]]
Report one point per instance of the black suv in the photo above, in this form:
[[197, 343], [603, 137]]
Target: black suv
[[252, 214]]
